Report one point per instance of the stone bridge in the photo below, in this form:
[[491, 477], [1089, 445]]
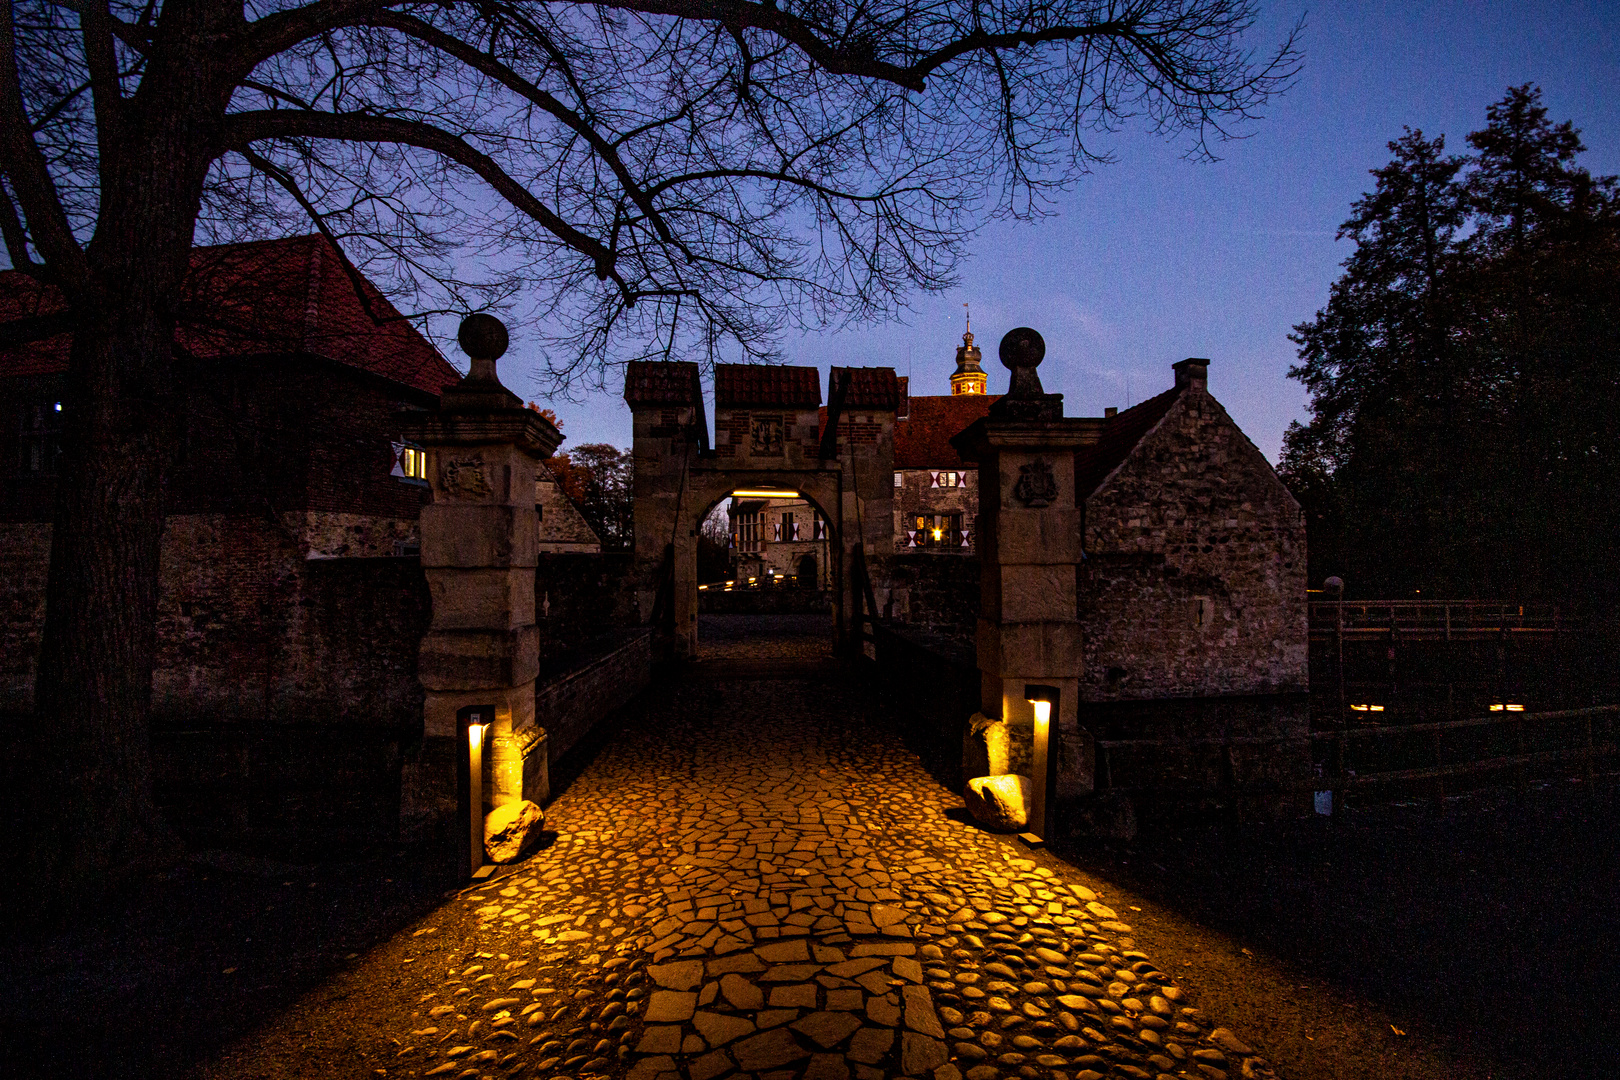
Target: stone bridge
[[1144, 569]]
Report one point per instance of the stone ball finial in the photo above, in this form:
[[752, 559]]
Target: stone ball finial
[[483, 337], [1022, 348]]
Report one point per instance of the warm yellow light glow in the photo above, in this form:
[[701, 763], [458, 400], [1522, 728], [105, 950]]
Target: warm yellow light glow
[[1376, 708], [763, 493], [1497, 708], [938, 533], [1043, 717], [1515, 708], [1359, 708], [475, 735]]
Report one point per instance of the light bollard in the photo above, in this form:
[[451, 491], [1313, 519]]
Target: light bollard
[[477, 718], [1042, 698]]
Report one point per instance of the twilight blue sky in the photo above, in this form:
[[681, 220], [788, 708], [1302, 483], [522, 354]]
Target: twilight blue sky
[[1156, 258]]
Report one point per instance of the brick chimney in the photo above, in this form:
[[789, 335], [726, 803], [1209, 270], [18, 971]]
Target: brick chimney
[[1192, 373]]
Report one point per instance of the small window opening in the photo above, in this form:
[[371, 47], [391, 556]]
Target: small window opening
[[410, 463], [41, 442]]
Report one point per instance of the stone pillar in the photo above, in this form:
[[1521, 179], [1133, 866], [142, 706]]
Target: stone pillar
[[1029, 541], [479, 540], [670, 436]]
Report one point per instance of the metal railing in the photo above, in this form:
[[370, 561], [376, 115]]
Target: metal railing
[[1446, 619]]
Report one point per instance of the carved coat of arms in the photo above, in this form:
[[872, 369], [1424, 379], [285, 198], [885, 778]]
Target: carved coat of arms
[[464, 479], [767, 432], [1036, 486]]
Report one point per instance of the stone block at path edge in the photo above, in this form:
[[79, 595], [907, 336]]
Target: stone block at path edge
[[1000, 802], [513, 830]]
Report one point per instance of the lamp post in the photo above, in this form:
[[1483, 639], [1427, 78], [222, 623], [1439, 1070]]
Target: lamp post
[[477, 718], [1043, 699]]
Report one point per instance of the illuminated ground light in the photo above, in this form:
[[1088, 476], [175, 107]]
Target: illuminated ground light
[[1507, 708], [1368, 708]]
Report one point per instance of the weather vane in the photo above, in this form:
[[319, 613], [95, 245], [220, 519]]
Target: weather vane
[[969, 312]]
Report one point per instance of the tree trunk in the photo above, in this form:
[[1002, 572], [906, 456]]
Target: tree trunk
[[90, 812], [86, 818]]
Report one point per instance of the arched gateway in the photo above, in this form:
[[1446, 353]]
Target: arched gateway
[[770, 434]]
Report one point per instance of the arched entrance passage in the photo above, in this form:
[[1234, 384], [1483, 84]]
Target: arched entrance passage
[[770, 432], [819, 491]]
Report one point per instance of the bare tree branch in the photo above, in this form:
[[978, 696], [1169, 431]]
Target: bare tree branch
[[245, 128], [25, 167]]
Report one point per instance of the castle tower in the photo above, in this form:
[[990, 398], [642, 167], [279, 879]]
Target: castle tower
[[970, 377]]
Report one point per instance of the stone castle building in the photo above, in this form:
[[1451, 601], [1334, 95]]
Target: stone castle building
[[292, 597]]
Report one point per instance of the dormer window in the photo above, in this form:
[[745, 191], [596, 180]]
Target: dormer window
[[410, 463], [41, 441]]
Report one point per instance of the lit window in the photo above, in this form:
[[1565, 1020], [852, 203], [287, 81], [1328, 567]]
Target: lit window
[[950, 479], [936, 530], [899, 479], [410, 463]]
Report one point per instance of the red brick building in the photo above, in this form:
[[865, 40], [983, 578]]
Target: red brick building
[[291, 602]]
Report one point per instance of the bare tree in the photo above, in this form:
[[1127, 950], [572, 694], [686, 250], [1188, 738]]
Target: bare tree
[[665, 177]]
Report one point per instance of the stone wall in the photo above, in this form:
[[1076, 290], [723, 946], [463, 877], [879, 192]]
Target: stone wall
[[25, 553], [286, 691], [573, 698], [1193, 582], [932, 684], [936, 593], [285, 687], [916, 494], [249, 630], [582, 596]]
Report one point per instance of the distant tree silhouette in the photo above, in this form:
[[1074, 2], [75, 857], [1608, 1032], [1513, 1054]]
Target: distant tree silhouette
[[1463, 376], [598, 478]]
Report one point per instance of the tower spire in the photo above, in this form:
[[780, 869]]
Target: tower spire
[[970, 377]]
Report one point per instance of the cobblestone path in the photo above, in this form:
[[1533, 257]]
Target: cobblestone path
[[757, 878]]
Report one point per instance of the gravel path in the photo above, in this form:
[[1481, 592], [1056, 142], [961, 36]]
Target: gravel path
[[756, 878]]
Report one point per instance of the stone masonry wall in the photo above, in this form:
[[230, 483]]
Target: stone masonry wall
[[916, 495], [570, 703], [937, 593], [25, 553], [1193, 582], [581, 597], [285, 687]]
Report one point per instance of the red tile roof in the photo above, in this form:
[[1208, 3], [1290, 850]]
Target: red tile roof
[[741, 385], [268, 296], [869, 387], [655, 382], [1120, 434], [922, 439]]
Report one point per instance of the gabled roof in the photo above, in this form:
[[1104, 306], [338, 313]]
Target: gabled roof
[[561, 523], [265, 297], [922, 438], [1120, 434], [742, 385], [869, 387], [662, 382]]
